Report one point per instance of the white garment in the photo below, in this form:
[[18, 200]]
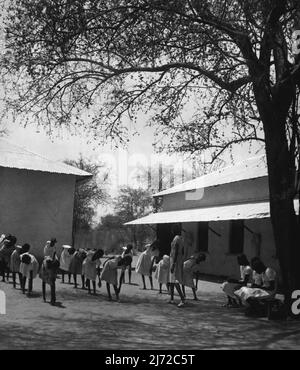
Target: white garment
[[246, 270], [89, 267], [65, 260], [268, 276], [264, 280], [32, 266], [162, 270], [49, 251]]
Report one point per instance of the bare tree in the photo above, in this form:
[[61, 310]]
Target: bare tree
[[120, 56], [130, 204], [89, 194]]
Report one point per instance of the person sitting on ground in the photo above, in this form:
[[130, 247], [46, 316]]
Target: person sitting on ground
[[48, 274], [162, 272], [145, 263], [76, 266], [89, 268], [29, 268], [127, 251], [231, 285], [189, 267], [264, 286], [110, 273], [64, 262]]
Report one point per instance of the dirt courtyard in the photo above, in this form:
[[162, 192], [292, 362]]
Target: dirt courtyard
[[142, 320]]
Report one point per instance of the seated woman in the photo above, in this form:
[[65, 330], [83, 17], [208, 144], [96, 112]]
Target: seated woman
[[110, 273], [231, 285], [189, 267], [264, 286]]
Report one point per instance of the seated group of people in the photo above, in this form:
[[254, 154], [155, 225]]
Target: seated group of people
[[258, 284]]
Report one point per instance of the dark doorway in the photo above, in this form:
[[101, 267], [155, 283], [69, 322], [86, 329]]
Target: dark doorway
[[164, 234]]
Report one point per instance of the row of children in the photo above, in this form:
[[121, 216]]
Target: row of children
[[171, 270], [17, 260], [257, 286]]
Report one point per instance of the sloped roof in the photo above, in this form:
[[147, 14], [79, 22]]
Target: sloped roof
[[241, 211], [13, 156], [248, 169]]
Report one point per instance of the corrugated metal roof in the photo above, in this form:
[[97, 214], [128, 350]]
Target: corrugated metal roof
[[248, 169], [13, 156], [241, 211]]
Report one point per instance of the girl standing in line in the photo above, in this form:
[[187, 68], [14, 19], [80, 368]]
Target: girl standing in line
[[48, 274], [29, 268], [75, 267], [162, 272], [127, 251], [145, 263], [89, 268], [65, 260], [15, 262], [110, 273], [189, 266]]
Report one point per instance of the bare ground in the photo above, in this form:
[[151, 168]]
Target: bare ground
[[143, 320]]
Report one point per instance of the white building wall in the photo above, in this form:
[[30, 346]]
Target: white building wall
[[242, 191], [35, 206], [219, 261]]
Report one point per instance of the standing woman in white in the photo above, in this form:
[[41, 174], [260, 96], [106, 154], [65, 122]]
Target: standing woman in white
[[176, 265]]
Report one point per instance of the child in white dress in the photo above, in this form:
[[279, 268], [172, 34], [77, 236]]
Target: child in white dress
[[89, 268], [29, 268], [162, 272], [145, 263], [189, 266], [110, 273], [64, 262]]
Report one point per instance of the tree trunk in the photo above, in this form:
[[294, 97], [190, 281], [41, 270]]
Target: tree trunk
[[281, 172]]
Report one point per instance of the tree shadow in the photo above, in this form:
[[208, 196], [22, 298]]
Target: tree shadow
[[33, 295], [146, 322]]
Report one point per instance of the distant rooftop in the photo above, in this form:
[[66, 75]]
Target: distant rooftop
[[13, 156], [248, 169]]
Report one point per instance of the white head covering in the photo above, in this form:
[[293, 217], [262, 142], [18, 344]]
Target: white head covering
[[65, 246]]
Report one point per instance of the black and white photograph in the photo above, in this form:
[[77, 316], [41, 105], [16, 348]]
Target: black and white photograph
[[149, 177]]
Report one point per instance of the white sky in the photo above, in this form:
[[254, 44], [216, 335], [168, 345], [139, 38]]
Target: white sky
[[124, 164]]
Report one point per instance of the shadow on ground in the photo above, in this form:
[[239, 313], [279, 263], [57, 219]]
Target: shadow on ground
[[143, 320]]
